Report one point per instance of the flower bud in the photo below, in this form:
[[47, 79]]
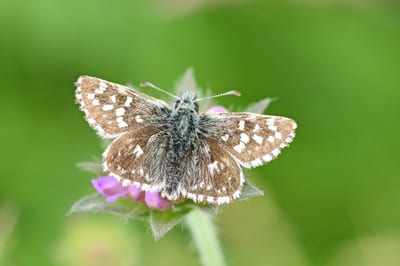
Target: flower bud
[[217, 109], [154, 200], [109, 187]]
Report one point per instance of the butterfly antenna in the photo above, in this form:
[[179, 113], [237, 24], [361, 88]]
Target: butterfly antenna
[[148, 84], [219, 95]]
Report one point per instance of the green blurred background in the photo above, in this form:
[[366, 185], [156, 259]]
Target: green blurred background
[[332, 198]]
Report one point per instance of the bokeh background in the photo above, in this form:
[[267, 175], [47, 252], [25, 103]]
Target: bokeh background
[[332, 198]]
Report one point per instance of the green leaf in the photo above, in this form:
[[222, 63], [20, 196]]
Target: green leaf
[[106, 142], [187, 82], [209, 209], [92, 167], [97, 203], [249, 191], [163, 221], [139, 210], [260, 106]]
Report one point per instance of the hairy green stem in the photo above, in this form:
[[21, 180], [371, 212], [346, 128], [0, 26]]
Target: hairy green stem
[[205, 238]]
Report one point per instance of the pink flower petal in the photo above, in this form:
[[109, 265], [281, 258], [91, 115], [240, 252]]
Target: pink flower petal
[[154, 200], [136, 193], [109, 187], [217, 109]]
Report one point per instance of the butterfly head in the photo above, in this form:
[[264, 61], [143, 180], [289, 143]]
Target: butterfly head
[[186, 102]]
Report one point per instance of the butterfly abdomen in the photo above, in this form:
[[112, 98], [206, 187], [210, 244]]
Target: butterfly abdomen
[[182, 140]]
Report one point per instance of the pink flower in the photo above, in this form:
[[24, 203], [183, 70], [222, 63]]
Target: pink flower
[[109, 187], [217, 109], [136, 193], [154, 200]]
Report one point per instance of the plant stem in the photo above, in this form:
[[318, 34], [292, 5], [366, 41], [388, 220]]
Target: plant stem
[[205, 238]]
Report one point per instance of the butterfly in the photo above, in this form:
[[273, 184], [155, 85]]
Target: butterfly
[[178, 151]]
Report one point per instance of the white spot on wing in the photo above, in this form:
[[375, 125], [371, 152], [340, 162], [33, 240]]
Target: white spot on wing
[[236, 194], [276, 152], [108, 107], [225, 137], [183, 192], [256, 128], [213, 166], [95, 102], [278, 135], [271, 121], [210, 199], [267, 158], [121, 122], [102, 88], [271, 139], [90, 96], [138, 151], [288, 140], [256, 162], [113, 99], [244, 137], [273, 128], [138, 119], [103, 85], [239, 148], [241, 124], [200, 198], [201, 184], [223, 200], [120, 111], [258, 139], [128, 101], [126, 182], [100, 131]]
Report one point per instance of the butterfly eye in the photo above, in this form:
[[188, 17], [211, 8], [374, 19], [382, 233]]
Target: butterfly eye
[[177, 101]]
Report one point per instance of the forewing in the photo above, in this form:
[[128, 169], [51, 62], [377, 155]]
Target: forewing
[[127, 158], [220, 177], [113, 109], [253, 139]]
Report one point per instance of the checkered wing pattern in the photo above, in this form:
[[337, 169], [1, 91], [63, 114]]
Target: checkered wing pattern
[[219, 179], [127, 158], [112, 109], [254, 139]]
